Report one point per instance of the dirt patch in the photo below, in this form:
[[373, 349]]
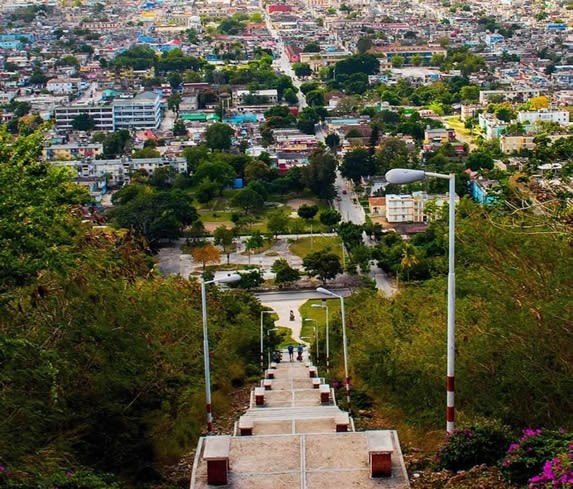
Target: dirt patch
[[296, 203], [211, 226]]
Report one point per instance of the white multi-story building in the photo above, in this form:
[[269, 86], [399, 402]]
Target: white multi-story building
[[267, 97], [412, 208], [119, 171], [101, 114], [544, 115], [140, 112]]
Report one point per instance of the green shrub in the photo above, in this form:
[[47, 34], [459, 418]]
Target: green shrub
[[526, 458], [473, 446]]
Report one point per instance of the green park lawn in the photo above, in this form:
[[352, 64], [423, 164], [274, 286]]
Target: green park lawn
[[303, 246], [319, 318]]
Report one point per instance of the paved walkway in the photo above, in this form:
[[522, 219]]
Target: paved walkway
[[289, 438]]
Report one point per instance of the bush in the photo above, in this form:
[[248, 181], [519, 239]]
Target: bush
[[474, 446], [527, 458], [557, 473]]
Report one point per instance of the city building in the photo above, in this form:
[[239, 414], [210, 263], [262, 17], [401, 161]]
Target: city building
[[412, 208], [140, 112]]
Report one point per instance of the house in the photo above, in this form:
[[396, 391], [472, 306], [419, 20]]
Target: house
[[377, 206], [65, 86], [439, 135], [72, 151], [481, 190]]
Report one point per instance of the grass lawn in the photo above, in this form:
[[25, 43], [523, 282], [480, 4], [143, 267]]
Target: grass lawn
[[215, 216], [319, 318], [286, 338], [455, 123], [302, 246]]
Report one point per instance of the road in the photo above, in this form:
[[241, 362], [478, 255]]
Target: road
[[282, 303]]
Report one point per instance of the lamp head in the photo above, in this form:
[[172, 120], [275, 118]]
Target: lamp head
[[401, 176], [230, 278], [322, 290]]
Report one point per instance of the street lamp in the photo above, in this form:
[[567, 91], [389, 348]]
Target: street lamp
[[262, 344], [324, 306], [235, 277], [315, 338], [268, 349], [322, 290], [400, 176]]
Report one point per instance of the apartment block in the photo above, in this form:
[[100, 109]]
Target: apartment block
[[411, 208]]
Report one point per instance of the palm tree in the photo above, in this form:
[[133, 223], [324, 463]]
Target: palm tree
[[409, 259]]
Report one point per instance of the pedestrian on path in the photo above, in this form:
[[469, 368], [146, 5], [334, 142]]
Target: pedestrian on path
[[291, 352]]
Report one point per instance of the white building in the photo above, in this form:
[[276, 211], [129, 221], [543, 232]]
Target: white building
[[267, 97], [101, 114], [544, 115], [412, 208], [119, 171], [65, 86], [141, 112]]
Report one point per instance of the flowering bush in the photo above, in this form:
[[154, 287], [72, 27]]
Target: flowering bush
[[557, 473], [474, 446], [526, 458]]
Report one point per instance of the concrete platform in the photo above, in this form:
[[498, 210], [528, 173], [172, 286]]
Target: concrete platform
[[303, 461]]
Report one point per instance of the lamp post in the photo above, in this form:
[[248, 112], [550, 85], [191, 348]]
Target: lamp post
[[322, 290], [401, 176], [268, 349], [315, 338], [324, 306], [223, 280], [262, 344]]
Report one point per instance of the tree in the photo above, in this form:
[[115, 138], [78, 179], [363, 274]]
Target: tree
[[284, 273], [206, 254], [307, 212], [248, 200], [83, 122], [469, 93], [416, 60], [315, 98], [290, 96], [173, 102], [179, 128], [225, 238], [358, 63], [363, 44], [397, 61], [254, 242], [218, 136], [301, 69], [320, 173], [256, 170], [330, 217], [323, 264], [278, 222], [218, 171], [146, 153], [307, 119], [479, 160], [332, 140], [175, 79], [311, 47], [356, 164], [117, 143], [409, 259]]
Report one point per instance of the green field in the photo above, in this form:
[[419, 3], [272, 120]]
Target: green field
[[303, 246]]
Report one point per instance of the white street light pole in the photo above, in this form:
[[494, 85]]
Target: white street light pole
[[401, 176], [322, 290], [315, 338], [262, 344], [327, 335], [223, 280], [268, 349]]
